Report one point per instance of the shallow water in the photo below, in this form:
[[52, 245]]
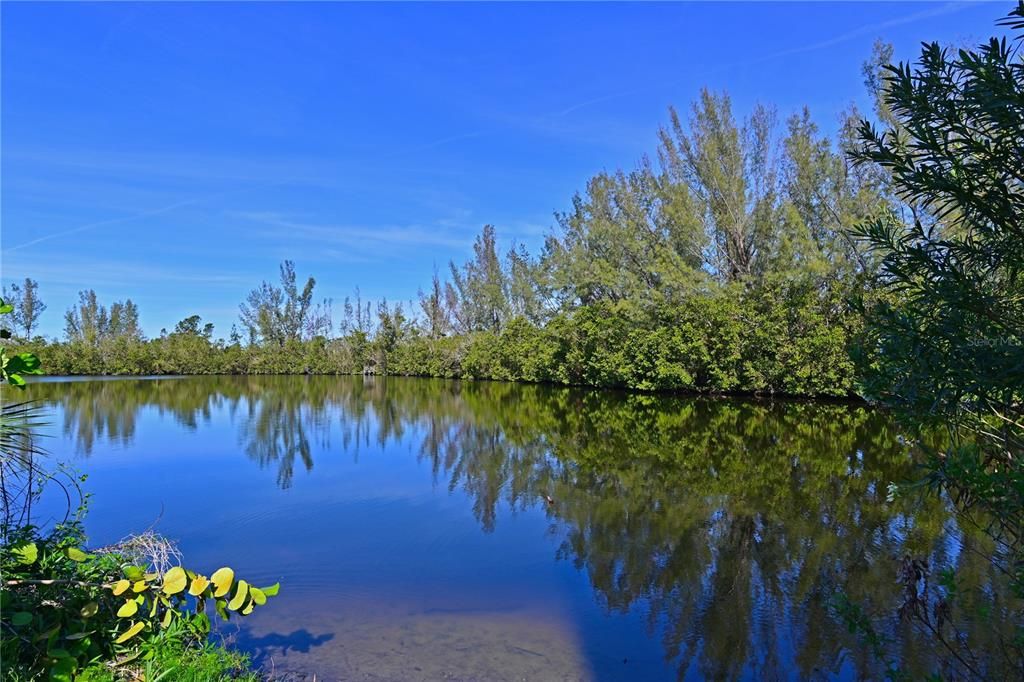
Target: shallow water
[[426, 530]]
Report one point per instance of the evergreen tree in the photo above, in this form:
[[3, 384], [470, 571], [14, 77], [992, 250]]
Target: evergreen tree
[[731, 170], [28, 307], [277, 314], [480, 286]]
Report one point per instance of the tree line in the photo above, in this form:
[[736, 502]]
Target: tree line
[[721, 263]]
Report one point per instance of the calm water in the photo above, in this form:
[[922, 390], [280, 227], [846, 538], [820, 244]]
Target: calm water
[[409, 522]]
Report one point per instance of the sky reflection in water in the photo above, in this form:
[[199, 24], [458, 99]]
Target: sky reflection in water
[[409, 524]]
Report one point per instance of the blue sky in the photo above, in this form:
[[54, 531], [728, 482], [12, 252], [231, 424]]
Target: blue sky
[[176, 153]]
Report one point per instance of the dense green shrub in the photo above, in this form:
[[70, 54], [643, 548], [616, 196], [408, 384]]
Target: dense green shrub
[[944, 331], [789, 337], [65, 608]]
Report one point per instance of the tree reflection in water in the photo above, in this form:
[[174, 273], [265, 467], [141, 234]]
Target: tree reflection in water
[[730, 523]]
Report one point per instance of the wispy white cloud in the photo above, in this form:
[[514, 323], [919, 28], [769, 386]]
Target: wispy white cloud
[[360, 237], [415, 149], [101, 223], [141, 215], [86, 271], [174, 165], [860, 31], [866, 30]]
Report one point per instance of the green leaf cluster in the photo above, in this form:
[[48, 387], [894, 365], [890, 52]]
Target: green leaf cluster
[[64, 608], [943, 343], [12, 367]]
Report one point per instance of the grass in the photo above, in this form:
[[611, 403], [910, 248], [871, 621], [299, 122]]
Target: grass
[[180, 664], [169, 660]]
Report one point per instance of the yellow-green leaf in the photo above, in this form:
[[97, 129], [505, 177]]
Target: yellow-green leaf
[[89, 610], [248, 609], [257, 596], [222, 579], [129, 633], [199, 583], [241, 593], [75, 554], [27, 552], [128, 609], [120, 586], [272, 590], [175, 580], [134, 573], [139, 586]]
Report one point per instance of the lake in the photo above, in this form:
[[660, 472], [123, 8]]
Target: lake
[[427, 529]]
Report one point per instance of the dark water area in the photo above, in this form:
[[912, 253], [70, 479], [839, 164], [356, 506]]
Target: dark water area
[[427, 529]]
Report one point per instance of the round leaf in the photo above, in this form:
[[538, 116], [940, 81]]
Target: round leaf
[[134, 573], [63, 669], [90, 609], [21, 618], [128, 609], [175, 580], [222, 579], [75, 554], [120, 586]]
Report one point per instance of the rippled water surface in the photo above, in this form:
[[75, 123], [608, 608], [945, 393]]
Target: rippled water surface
[[426, 530]]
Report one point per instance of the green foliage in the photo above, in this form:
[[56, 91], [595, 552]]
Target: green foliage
[[789, 336], [481, 287], [944, 335], [947, 343], [12, 367], [26, 306], [64, 608], [173, 657], [278, 314], [90, 323]]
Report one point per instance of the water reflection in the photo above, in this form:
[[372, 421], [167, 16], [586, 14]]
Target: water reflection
[[729, 524]]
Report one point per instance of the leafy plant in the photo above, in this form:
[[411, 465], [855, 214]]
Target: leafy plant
[[12, 367], [64, 608], [944, 342]]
